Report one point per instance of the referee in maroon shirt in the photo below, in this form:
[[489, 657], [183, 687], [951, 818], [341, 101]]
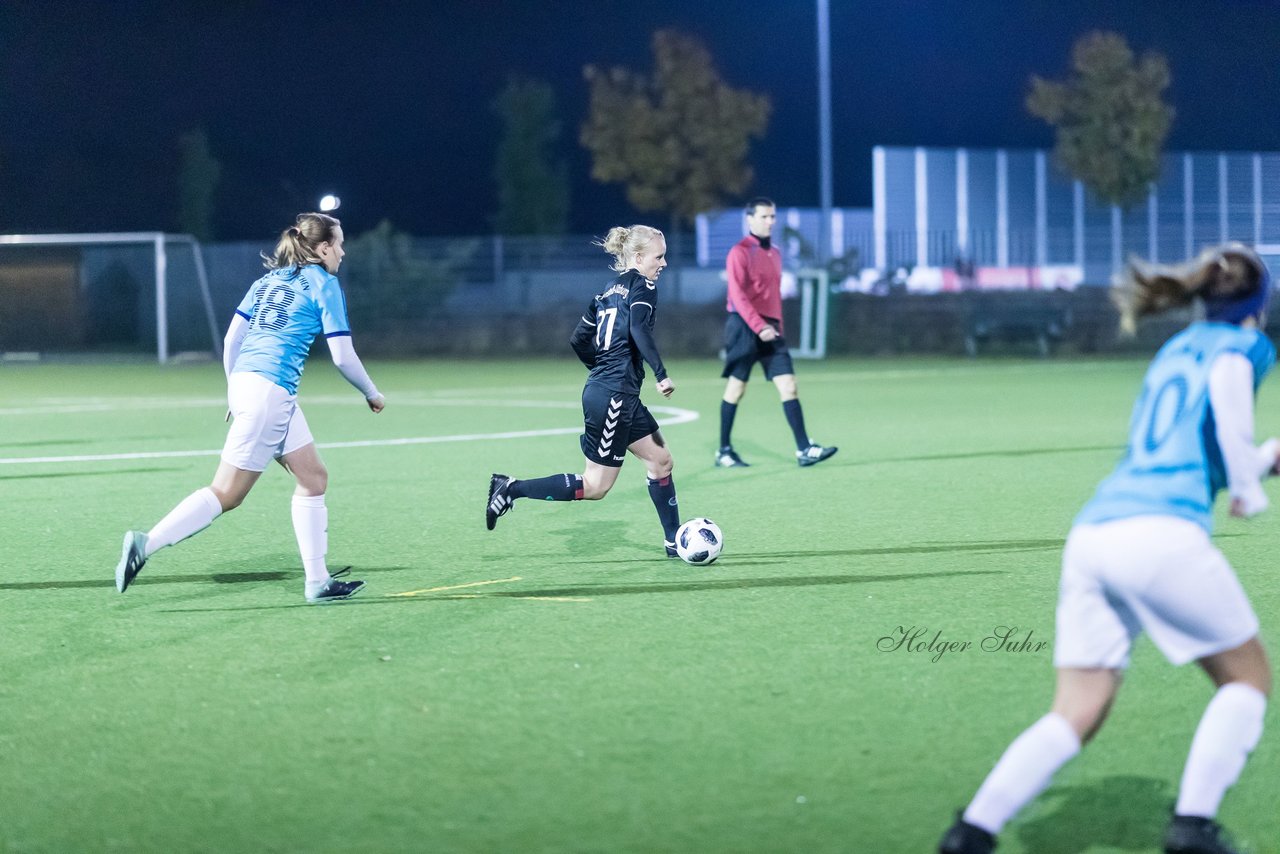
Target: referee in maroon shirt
[[753, 333]]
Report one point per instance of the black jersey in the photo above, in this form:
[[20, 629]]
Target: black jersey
[[614, 338]]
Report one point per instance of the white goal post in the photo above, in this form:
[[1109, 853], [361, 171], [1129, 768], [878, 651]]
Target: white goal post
[[158, 241], [814, 289]]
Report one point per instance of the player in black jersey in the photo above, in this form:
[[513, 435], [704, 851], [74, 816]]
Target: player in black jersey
[[614, 339]]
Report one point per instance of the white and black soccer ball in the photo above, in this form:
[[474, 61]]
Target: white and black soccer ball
[[699, 542]]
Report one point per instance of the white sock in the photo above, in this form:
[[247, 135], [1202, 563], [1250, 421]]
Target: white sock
[[311, 526], [1229, 729], [1023, 772], [192, 515]]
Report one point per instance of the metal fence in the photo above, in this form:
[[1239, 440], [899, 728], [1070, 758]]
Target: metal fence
[[1008, 207], [402, 286]]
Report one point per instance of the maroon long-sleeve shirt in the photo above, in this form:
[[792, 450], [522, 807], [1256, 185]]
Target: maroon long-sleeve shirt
[[755, 282]]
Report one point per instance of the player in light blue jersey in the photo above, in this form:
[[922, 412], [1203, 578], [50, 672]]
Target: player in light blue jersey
[[1139, 558], [265, 348]]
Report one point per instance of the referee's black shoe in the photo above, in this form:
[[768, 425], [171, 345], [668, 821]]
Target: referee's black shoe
[[1188, 834], [499, 501], [727, 458], [814, 454]]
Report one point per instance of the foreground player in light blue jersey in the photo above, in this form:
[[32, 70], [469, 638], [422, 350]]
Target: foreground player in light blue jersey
[[1139, 557], [264, 351]]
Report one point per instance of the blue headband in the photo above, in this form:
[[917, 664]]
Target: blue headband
[[1238, 309]]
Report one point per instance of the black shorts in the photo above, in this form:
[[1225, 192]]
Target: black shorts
[[743, 348], [611, 422]]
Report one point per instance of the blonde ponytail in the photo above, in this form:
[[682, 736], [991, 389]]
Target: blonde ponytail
[[297, 244], [624, 244]]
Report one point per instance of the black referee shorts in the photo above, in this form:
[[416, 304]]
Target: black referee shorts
[[743, 348], [611, 422]]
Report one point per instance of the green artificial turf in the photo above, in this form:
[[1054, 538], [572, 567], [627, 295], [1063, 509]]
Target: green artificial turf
[[557, 684]]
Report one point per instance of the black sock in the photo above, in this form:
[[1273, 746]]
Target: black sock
[[727, 412], [795, 417], [557, 487], [663, 493]]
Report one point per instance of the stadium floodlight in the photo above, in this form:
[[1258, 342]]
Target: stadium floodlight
[[330, 202], [156, 242]]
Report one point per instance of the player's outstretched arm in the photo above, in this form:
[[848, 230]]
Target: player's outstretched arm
[[236, 331], [1231, 396], [238, 328], [583, 341], [349, 365], [642, 337]]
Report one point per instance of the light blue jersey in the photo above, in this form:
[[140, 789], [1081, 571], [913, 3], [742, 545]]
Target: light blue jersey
[[1174, 466], [286, 309]]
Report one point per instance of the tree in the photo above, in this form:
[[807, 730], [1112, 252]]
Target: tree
[[198, 176], [533, 184], [396, 280], [1110, 118], [677, 139]]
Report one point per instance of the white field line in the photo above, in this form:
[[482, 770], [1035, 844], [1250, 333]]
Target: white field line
[[1029, 366], [457, 397], [61, 406], [673, 415]]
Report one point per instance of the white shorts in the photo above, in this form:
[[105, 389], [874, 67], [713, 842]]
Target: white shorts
[[1160, 574], [268, 423]]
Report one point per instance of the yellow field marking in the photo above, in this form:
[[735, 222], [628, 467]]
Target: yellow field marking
[[459, 586]]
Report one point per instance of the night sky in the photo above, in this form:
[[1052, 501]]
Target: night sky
[[387, 103]]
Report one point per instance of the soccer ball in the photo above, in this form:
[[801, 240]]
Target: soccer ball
[[699, 542]]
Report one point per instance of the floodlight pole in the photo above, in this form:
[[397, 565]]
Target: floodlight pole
[[824, 131]]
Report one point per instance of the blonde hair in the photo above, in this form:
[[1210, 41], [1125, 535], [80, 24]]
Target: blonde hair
[[297, 244], [625, 244], [1232, 271]]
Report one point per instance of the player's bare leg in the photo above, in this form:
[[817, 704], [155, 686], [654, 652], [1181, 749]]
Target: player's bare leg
[[597, 480], [231, 485], [786, 386], [307, 469]]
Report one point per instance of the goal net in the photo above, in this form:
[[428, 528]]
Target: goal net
[[123, 292]]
